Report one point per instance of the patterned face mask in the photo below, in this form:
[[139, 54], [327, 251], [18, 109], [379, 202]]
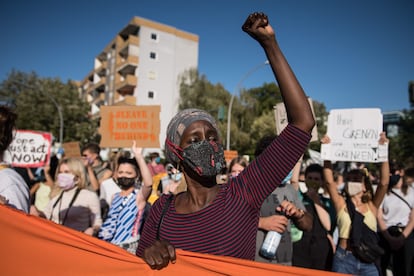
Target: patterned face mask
[[206, 158]]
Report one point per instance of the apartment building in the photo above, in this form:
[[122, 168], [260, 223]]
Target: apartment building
[[142, 65]]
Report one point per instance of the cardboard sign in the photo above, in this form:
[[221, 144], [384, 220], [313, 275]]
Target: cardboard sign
[[121, 125], [29, 149], [282, 120], [354, 135], [71, 149], [229, 155]]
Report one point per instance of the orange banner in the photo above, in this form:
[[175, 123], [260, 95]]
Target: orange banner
[[120, 125], [34, 246]]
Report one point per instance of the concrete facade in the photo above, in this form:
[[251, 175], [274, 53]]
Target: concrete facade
[[142, 65]]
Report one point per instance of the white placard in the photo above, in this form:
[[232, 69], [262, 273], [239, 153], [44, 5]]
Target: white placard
[[354, 135], [282, 120], [29, 149]]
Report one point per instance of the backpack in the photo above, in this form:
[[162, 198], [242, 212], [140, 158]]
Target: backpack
[[364, 241]]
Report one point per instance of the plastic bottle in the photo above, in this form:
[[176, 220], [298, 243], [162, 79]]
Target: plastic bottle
[[272, 240], [270, 244]]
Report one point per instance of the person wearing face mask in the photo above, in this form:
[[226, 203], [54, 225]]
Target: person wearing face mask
[[315, 248], [72, 204], [272, 220], [173, 182], [359, 196], [97, 170], [155, 165], [237, 165], [128, 208], [222, 219], [396, 222]]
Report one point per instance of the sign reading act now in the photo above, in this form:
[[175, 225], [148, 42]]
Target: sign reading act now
[[29, 149]]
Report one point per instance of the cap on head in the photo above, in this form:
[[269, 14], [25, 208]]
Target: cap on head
[[179, 123]]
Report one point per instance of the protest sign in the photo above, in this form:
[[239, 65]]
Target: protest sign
[[354, 135], [229, 155], [121, 125], [71, 149], [282, 120], [29, 149]]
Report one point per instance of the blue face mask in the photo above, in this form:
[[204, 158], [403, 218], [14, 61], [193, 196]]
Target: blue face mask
[[340, 187], [176, 177], [158, 160]]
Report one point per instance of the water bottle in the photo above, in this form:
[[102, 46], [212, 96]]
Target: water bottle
[[270, 244], [272, 239]]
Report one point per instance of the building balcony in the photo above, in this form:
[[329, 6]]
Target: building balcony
[[98, 98], [123, 46], [127, 100], [100, 86], [101, 70], [126, 85], [127, 66]]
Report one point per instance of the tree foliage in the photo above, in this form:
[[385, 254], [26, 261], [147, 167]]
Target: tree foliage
[[37, 101], [402, 146], [252, 114], [197, 92]]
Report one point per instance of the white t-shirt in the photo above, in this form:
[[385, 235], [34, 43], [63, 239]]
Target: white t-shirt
[[108, 189], [14, 189], [396, 211]]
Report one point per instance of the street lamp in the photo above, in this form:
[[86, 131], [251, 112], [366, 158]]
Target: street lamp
[[59, 109], [238, 87]]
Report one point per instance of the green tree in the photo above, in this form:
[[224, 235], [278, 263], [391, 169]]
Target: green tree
[[262, 99], [321, 118], [402, 146], [33, 97], [197, 92], [252, 114]]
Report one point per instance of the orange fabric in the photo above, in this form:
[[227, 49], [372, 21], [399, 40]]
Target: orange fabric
[[35, 246]]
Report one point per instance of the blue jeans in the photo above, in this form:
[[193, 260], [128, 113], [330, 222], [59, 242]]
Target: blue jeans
[[345, 262]]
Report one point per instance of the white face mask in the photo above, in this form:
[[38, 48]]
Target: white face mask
[[354, 188]]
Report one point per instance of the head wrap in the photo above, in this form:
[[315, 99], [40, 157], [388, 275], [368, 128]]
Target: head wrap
[[177, 126]]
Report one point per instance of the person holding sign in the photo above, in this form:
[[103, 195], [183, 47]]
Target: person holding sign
[[72, 204], [13, 188], [222, 219], [128, 208], [357, 217]]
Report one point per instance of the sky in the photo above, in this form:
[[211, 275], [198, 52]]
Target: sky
[[346, 54]]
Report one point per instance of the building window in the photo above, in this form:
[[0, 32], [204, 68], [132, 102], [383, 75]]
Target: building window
[[153, 55], [151, 94], [152, 75], [154, 36]]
